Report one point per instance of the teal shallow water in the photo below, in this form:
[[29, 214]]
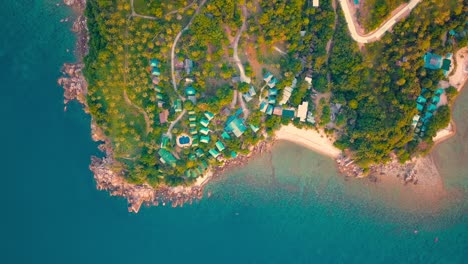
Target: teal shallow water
[[287, 207]]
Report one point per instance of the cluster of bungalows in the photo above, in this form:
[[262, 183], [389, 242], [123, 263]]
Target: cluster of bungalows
[[155, 73], [269, 107], [426, 108], [165, 156]]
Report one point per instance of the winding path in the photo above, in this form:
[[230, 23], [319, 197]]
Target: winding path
[[135, 14], [379, 32], [173, 123], [235, 55], [174, 44], [139, 109]]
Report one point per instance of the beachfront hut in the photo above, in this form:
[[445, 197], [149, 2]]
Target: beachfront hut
[[220, 146], [204, 122], [310, 118], [214, 153], [205, 139], [209, 115], [233, 154], [302, 111], [446, 63]]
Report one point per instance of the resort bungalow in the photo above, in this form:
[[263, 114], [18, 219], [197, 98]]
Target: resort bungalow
[[204, 122], [155, 71], [199, 153], [272, 83], [159, 96], [267, 77], [269, 110], [204, 130], [415, 120], [193, 131], [302, 111], [192, 118], [214, 153], [432, 61], [188, 66], [163, 116], [164, 141], [254, 128], [315, 3], [209, 115], [190, 91], [154, 63], [157, 88], [225, 135], [286, 95], [220, 146], [310, 118], [178, 105], [235, 125], [273, 92], [155, 80], [205, 139], [272, 100], [421, 100], [192, 124], [233, 154], [166, 157], [247, 97], [278, 111], [263, 106]]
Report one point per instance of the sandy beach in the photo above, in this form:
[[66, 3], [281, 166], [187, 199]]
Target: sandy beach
[[308, 138]]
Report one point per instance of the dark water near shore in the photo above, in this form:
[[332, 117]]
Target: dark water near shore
[[287, 207]]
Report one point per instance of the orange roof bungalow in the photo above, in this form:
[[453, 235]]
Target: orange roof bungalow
[[163, 116]]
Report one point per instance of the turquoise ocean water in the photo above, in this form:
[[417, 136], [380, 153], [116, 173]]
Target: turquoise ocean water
[[287, 207]]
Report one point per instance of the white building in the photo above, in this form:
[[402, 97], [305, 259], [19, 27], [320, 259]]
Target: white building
[[302, 111], [315, 3]]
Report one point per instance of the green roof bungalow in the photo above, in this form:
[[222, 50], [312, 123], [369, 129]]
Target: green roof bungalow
[[225, 135], [272, 100], [192, 118], [204, 122], [272, 82], [288, 113], [254, 128], [214, 153], [204, 165], [155, 71], [167, 157], [446, 63], [193, 131], [190, 91], [435, 99], [220, 145], [269, 110], [452, 32], [164, 141], [199, 153], [233, 154], [432, 61], [252, 91], [209, 115], [236, 126], [205, 139], [439, 91], [421, 100], [432, 108], [273, 92], [178, 105], [191, 112], [154, 63], [157, 88], [420, 107], [193, 124], [267, 77], [263, 107], [204, 130], [159, 96]]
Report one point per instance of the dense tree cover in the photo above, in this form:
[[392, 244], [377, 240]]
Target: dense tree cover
[[374, 12], [382, 94], [376, 95]]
